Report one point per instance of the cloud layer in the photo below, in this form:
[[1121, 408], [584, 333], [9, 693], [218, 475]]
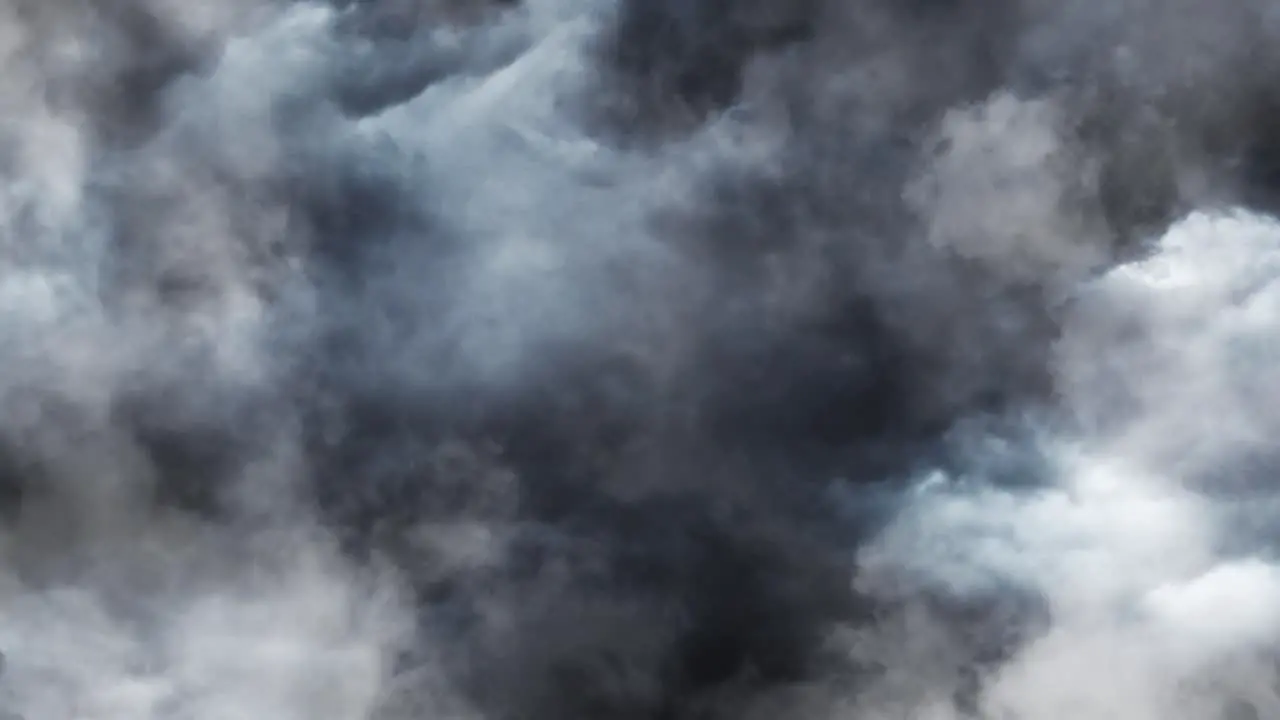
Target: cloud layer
[[715, 359]]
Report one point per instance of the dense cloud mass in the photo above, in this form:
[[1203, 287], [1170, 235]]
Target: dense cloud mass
[[639, 359]]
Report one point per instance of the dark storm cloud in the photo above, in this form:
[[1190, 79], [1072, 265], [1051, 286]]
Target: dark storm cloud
[[635, 359]]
